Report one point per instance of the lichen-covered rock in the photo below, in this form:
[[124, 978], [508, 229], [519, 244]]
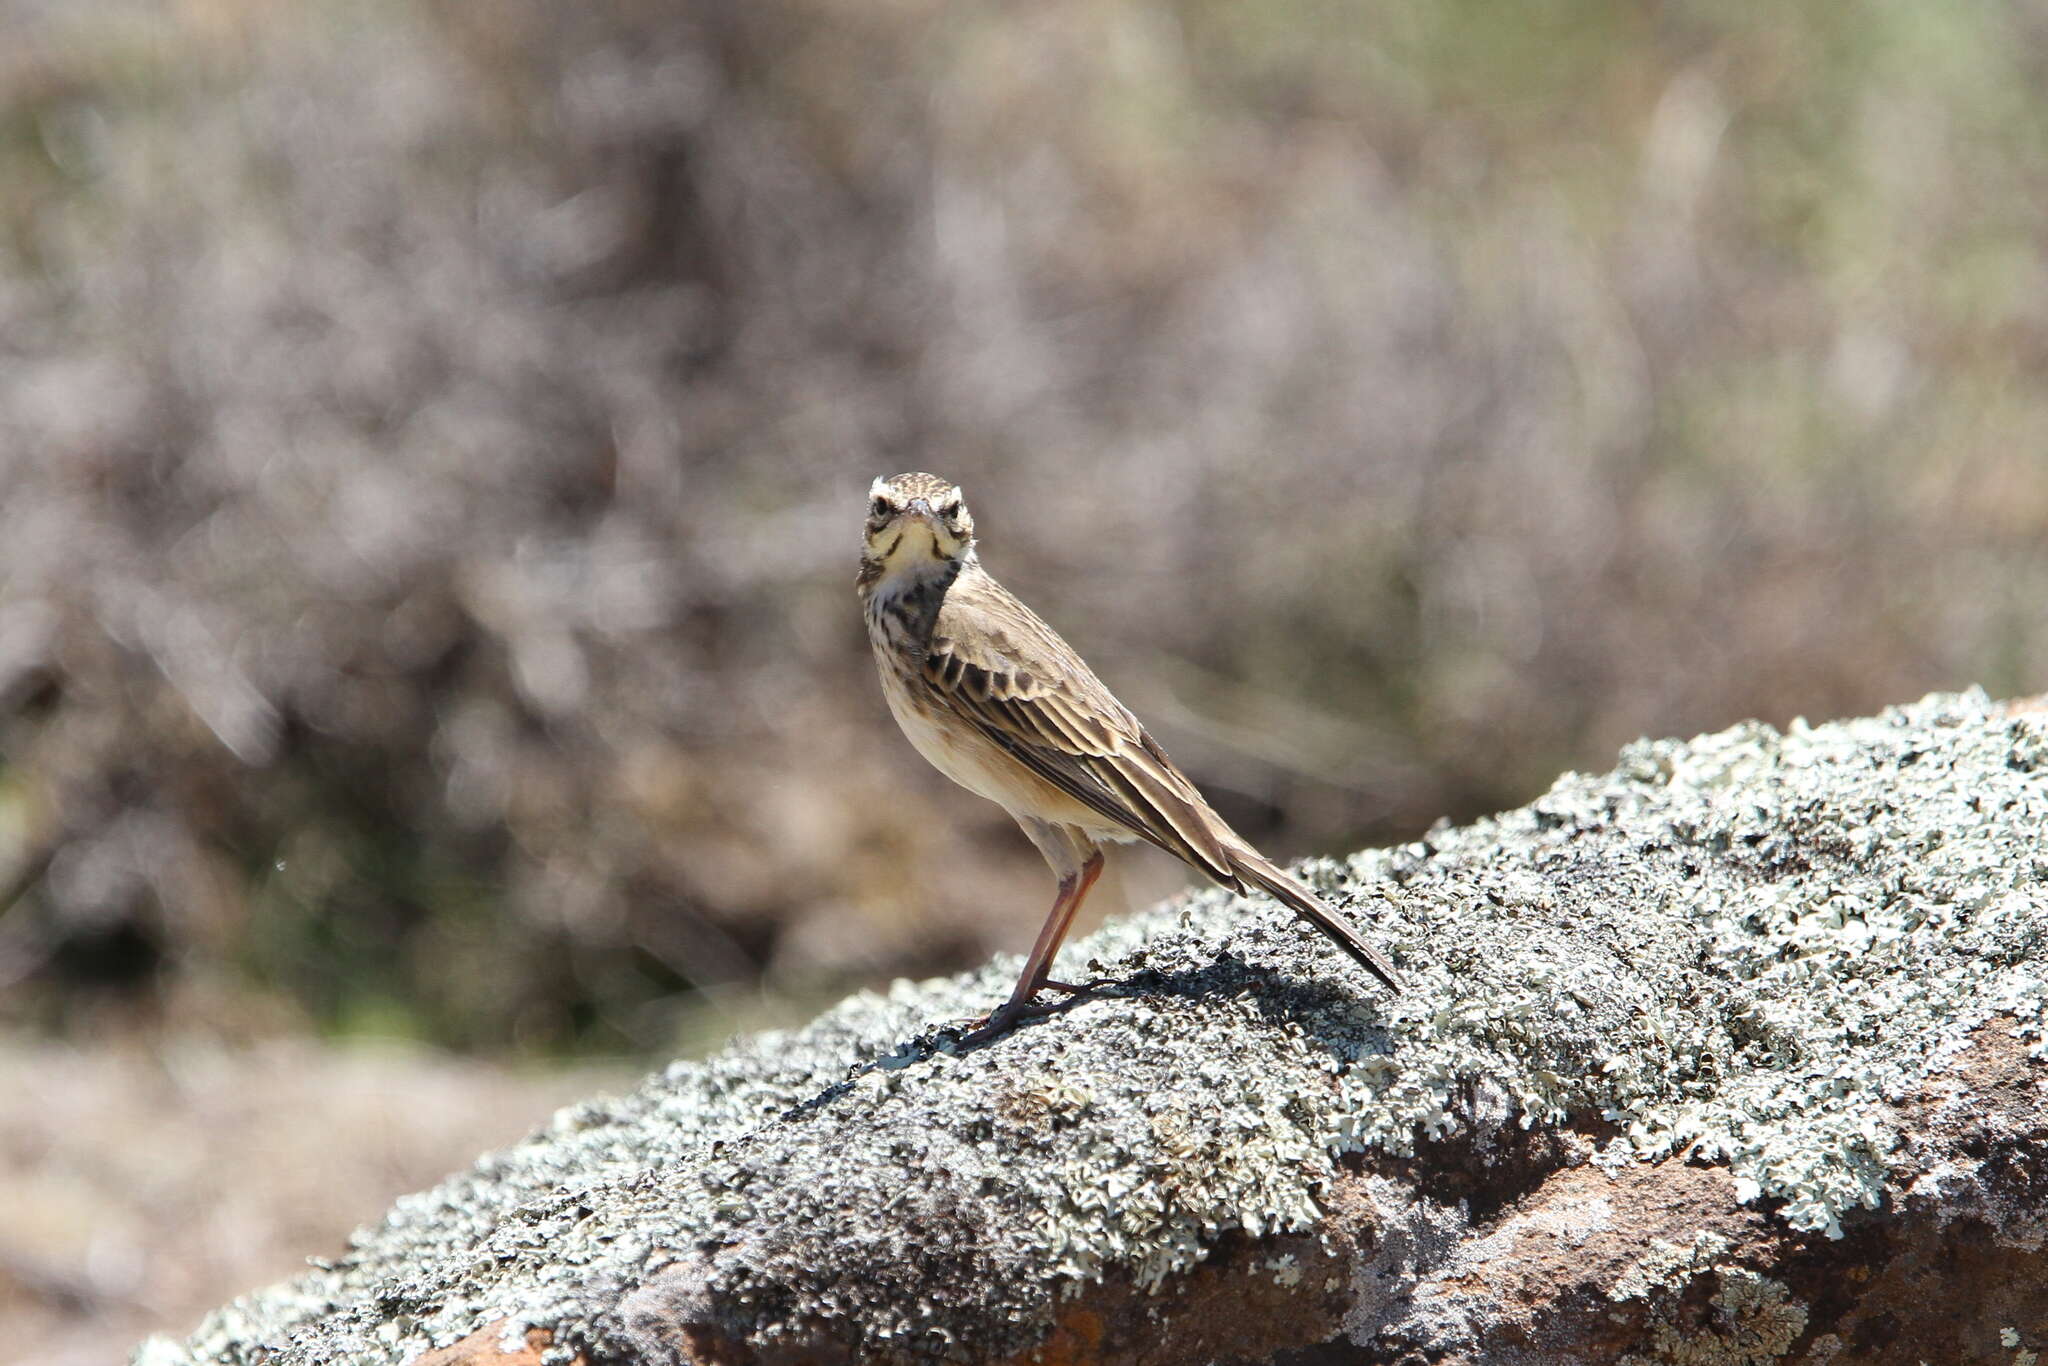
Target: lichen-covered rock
[[1729, 1056]]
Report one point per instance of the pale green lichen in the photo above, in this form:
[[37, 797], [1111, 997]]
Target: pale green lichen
[[1737, 948], [1863, 894], [1756, 1321], [1286, 1269], [1668, 1265]]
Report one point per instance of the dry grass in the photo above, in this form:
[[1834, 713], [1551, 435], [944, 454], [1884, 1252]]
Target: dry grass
[[438, 433]]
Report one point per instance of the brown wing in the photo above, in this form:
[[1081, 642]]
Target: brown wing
[[1009, 674]]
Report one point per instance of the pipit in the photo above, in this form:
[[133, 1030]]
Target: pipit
[[997, 702]]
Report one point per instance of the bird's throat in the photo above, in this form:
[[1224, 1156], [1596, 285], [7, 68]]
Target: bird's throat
[[903, 600]]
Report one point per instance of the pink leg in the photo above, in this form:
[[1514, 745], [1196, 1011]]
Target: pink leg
[[1090, 871], [1073, 889]]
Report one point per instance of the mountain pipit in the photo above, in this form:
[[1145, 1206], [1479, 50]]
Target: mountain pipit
[[1005, 708]]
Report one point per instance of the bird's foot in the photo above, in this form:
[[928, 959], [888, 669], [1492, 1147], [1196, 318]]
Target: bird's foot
[[1017, 1010], [1092, 984], [1012, 1013]]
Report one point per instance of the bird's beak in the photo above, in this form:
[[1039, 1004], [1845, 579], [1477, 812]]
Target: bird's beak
[[921, 509]]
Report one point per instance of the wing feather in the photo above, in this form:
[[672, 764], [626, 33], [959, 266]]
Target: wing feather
[[1009, 674]]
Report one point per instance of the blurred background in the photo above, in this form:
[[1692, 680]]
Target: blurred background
[[434, 435]]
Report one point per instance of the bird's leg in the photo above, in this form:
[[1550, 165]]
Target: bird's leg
[[1021, 1006], [1090, 871], [1079, 863]]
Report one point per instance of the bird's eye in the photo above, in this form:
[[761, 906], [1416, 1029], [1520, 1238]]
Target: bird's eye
[[879, 508], [950, 511]]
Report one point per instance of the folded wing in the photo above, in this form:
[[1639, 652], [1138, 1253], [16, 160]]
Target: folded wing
[[1025, 689]]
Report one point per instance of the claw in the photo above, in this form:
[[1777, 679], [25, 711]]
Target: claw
[[1012, 1013], [1092, 984]]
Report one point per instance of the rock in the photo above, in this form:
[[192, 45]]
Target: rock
[[1733, 1055]]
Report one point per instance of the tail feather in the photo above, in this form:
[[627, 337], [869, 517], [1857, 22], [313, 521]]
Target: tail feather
[[1319, 913]]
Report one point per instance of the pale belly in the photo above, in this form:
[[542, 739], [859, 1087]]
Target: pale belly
[[977, 764]]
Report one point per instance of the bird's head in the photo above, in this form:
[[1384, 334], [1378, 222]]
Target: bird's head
[[917, 523]]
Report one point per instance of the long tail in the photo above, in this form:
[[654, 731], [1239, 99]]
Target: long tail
[[1254, 869]]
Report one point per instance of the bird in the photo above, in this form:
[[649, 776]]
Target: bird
[[994, 699]]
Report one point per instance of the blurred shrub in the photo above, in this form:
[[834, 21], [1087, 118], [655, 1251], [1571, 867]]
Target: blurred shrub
[[434, 438]]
